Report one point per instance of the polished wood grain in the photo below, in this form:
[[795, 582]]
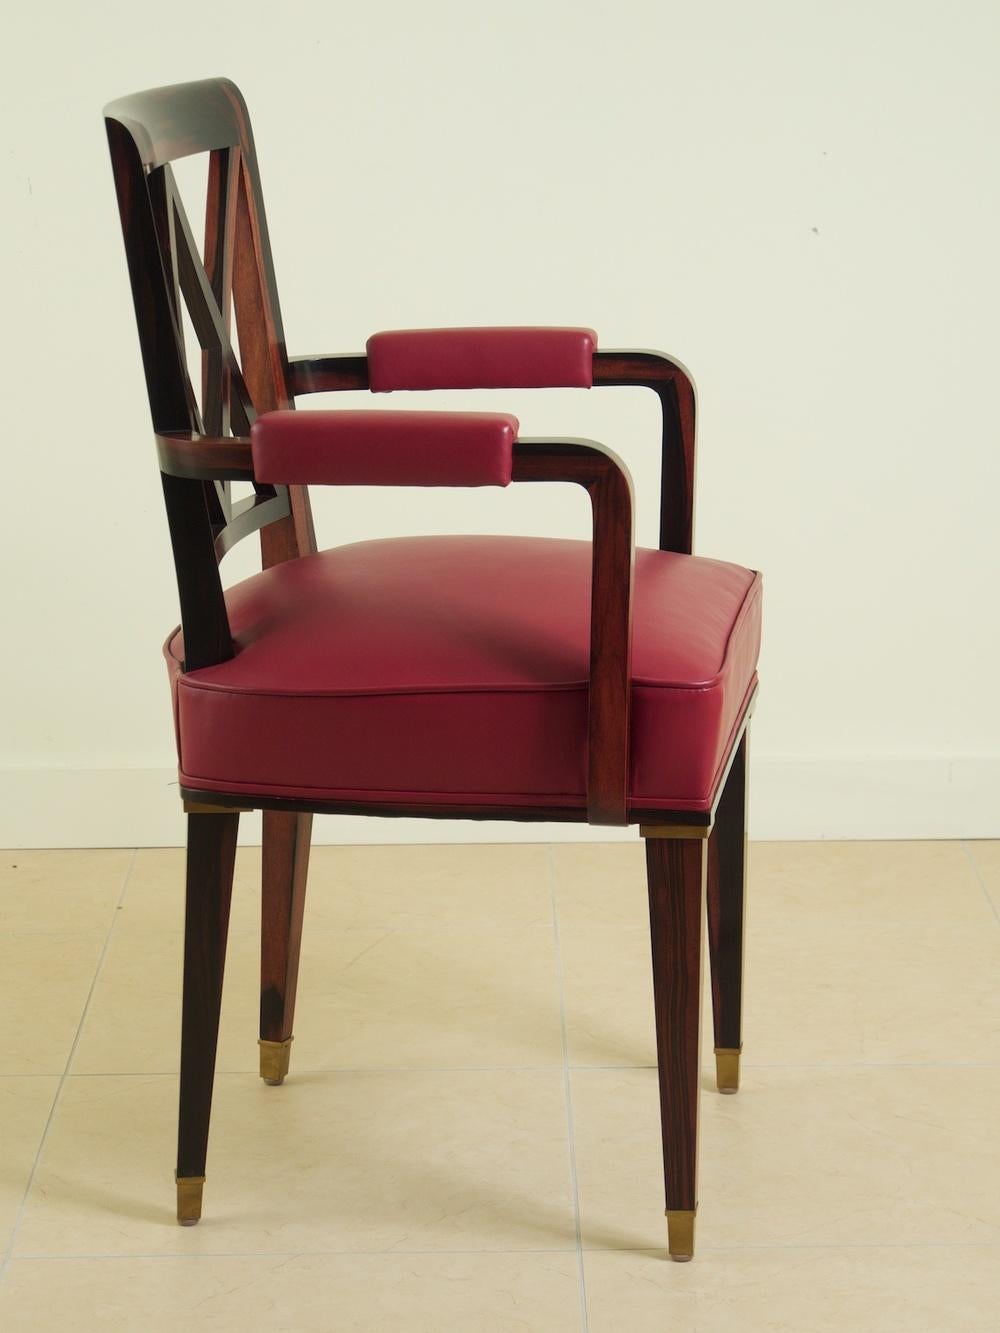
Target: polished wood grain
[[609, 486], [210, 859], [675, 389], [727, 869], [676, 875], [285, 869]]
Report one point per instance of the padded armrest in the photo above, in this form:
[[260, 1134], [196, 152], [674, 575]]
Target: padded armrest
[[384, 448], [506, 358]]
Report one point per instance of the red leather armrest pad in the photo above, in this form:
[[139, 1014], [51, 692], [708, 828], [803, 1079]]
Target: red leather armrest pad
[[511, 358], [384, 448]]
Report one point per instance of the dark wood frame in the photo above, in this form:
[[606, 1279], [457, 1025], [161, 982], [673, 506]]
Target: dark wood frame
[[203, 447]]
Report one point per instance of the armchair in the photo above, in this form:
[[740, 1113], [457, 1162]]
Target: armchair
[[470, 677]]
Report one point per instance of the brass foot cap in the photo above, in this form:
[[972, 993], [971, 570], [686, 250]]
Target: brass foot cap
[[727, 1069], [274, 1057], [189, 1192], [680, 1235]]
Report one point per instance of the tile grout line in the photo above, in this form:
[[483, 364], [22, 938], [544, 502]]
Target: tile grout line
[[15, 1225], [205, 1255], [982, 883], [568, 1094]]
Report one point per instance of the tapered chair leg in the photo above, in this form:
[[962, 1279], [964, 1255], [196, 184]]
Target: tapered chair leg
[[676, 870], [211, 853], [286, 865], [727, 865]]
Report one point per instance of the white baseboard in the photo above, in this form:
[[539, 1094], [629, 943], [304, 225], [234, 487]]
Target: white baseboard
[[791, 798]]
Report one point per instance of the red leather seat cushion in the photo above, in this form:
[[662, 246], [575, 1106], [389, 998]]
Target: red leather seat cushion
[[454, 669]]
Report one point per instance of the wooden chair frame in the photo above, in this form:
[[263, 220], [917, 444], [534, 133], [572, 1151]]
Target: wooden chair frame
[[203, 446]]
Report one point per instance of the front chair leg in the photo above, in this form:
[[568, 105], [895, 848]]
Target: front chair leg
[[285, 867], [211, 852], [676, 870], [727, 864]]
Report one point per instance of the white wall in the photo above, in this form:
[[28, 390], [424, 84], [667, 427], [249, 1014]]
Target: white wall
[[799, 200]]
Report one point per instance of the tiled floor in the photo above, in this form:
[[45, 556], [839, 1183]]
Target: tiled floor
[[469, 1137]]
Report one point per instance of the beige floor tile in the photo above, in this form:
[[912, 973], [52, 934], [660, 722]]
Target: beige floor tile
[[601, 884], [844, 990], [421, 1293], [370, 1161], [57, 892], [608, 989], [370, 888], [154, 898], [816, 993], [863, 1290], [604, 884], [986, 859], [46, 980], [804, 1156], [367, 999], [855, 952], [869, 882], [24, 1109]]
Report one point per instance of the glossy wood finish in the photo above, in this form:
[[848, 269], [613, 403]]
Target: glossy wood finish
[[210, 858], [675, 389], [285, 869], [676, 875], [727, 869], [610, 488]]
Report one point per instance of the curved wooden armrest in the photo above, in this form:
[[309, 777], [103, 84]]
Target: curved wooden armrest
[[640, 368], [204, 457], [607, 481]]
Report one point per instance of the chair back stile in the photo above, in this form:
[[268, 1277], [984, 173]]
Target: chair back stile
[[234, 274]]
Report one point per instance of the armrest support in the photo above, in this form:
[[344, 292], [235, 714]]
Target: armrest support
[[609, 485], [384, 448], [674, 387]]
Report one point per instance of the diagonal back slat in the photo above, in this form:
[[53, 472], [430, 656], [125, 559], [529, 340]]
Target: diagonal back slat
[[262, 349], [220, 231], [205, 314]]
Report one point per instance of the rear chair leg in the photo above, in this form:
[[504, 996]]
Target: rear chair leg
[[211, 852], [285, 867], [676, 869], [727, 863]]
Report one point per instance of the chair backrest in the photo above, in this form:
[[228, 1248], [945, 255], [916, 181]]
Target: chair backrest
[[147, 132]]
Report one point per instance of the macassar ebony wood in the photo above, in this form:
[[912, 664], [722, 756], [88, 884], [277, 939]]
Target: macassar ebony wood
[[328, 374], [609, 485], [285, 870], [727, 869], [210, 860], [675, 389], [220, 234], [201, 458], [676, 875]]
